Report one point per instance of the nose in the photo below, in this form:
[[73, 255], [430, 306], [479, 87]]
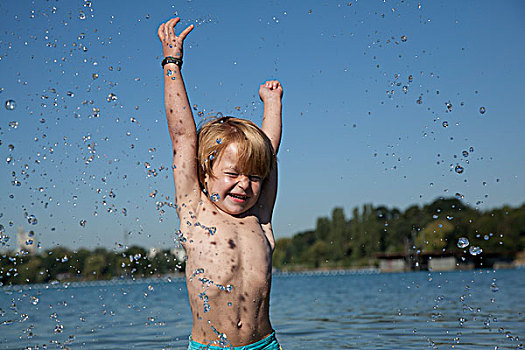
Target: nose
[[244, 182]]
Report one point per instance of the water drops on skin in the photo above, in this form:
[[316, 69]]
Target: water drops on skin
[[10, 105], [214, 197]]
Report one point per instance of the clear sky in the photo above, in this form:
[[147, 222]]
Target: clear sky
[[382, 103]]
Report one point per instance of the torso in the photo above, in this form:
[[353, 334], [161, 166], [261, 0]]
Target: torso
[[228, 273]]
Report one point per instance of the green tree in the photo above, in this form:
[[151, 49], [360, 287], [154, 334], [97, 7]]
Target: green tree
[[433, 237], [95, 266]]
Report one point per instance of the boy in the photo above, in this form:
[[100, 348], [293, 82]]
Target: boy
[[225, 183]]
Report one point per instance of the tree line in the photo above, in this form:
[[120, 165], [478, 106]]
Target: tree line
[[335, 242], [338, 242], [63, 264]]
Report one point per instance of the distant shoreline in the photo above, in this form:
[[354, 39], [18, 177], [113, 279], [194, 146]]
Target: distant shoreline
[[174, 278]]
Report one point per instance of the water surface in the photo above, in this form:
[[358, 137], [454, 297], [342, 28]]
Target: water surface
[[480, 309]]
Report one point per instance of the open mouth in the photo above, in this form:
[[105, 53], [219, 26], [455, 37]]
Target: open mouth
[[238, 197]]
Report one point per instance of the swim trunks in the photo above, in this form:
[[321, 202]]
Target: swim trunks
[[268, 343]]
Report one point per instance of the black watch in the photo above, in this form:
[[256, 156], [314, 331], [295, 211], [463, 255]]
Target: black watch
[[170, 59]]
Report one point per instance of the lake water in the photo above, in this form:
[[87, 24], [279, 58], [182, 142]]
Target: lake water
[[481, 309]]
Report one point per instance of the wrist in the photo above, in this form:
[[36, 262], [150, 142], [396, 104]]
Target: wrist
[[276, 100], [172, 60]]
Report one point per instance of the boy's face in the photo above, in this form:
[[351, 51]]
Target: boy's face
[[231, 191]]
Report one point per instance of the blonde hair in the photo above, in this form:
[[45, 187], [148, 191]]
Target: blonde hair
[[256, 154]]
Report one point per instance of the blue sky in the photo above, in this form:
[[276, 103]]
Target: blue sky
[[354, 132]]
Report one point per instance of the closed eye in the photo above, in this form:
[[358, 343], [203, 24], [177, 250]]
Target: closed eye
[[255, 178]]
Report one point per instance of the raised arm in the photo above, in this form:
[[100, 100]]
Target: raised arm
[[181, 125], [271, 94]]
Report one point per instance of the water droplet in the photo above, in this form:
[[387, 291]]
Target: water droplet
[[10, 105], [214, 197], [475, 250], [96, 112], [169, 72], [94, 76], [465, 153], [449, 106], [32, 219], [70, 94], [83, 223], [404, 38], [445, 124], [10, 148], [494, 287], [459, 195], [463, 242], [482, 110], [34, 300], [405, 89], [111, 97], [219, 141], [13, 124], [459, 169], [59, 328]]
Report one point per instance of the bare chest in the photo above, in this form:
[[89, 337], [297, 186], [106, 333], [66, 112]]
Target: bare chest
[[226, 250]]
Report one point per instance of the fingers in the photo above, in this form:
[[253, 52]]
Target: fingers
[[167, 30], [186, 31], [160, 32], [272, 84], [170, 26]]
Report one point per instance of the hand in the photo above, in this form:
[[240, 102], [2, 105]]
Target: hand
[[271, 90], [172, 44]]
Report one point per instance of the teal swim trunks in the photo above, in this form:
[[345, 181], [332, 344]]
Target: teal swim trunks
[[268, 343]]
